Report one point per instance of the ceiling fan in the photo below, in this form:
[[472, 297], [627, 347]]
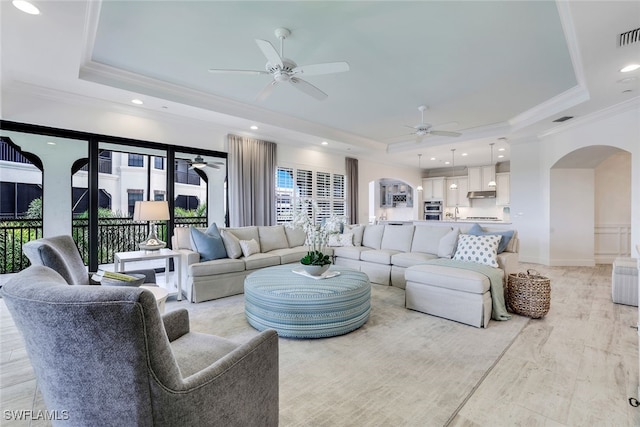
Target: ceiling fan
[[285, 70], [199, 163], [423, 129]]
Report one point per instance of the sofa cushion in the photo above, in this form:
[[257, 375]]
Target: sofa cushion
[[245, 233], [506, 235], [295, 236], [397, 237], [380, 256], [290, 255], [217, 266], [231, 244], [272, 237], [350, 252], [426, 238], [209, 244], [457, 279], [372, 237], [261, 260], [408, 259], [478, 249], [448, 243], [182, 237], [249, 247], [358, 232]]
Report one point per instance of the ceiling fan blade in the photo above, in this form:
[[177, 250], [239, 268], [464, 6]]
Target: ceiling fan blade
[[308, 88], [213, 166], [326, 68], [444, 133], [270, 52], [248, 72], [264, 93]]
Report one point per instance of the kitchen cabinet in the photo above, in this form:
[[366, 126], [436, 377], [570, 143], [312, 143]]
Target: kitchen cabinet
[[433, 188], [480, 176], [503, 189], [396, 194], [457, 197]]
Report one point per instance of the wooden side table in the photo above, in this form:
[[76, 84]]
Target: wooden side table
[[120, 258]]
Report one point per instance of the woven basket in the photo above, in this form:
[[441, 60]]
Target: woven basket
[[529, 294]]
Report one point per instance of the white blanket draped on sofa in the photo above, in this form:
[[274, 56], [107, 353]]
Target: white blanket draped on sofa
[[499, 309]]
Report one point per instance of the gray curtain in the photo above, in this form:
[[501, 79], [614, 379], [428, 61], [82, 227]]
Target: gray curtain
[[351, 166], [252, 187]]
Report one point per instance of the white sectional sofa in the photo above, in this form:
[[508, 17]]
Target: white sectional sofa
[[207, 280], [388, 250], [383, 252]]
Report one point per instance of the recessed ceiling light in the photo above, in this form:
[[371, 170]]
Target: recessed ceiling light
[[447, 162], [464, 154], [324, 143], [630, 67], [433, 158], [253, 127], [137, 101], [500, 156], [26, 7], [51, 143], [501, 149]]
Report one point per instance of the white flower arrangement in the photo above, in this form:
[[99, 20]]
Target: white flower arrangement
[[317, 231]]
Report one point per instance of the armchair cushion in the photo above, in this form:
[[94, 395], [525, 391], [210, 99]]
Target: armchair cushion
[[61, 254]]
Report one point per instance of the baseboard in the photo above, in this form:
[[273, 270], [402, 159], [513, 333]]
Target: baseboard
[[572, 262]]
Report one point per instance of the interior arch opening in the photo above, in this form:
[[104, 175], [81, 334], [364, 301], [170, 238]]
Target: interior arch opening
[[590, 206]]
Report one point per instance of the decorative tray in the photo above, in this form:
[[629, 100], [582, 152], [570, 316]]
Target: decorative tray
[[326, 275]]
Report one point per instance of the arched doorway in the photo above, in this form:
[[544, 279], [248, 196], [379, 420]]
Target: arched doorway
[[392, 199], [590, 206]]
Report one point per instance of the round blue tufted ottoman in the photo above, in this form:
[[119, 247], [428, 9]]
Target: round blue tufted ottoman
[[301, 307]]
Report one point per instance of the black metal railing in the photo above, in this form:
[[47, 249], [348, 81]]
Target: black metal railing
[[114, 235], [13, 234]]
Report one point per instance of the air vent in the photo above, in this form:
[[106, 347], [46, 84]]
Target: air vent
[[563, 119], [629, 37]]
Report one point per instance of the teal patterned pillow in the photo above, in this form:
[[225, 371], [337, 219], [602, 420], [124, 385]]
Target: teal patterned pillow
[[478, 249]]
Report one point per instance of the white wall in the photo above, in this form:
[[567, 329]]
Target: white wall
[[532, 160], [613, 190], [572, 217]]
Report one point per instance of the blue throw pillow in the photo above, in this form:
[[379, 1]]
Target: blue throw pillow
[[476, 230], [209, 244]]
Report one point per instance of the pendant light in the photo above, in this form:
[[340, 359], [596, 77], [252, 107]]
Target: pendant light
[[453, 186], [419, 188], [492, 183]]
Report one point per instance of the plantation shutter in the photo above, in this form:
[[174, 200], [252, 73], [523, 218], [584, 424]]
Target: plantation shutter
[[284, 195]]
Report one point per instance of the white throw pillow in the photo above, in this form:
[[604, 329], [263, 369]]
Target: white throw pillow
[[447, 244], [478, 249], [336, 239], [249, 247], [231, 244], [358, 232]]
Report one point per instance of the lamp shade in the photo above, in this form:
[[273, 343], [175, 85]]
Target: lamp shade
[[151, 211]]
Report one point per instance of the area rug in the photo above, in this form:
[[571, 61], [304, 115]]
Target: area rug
[[401, 368]]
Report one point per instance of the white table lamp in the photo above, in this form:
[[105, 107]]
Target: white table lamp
[[152, 212]]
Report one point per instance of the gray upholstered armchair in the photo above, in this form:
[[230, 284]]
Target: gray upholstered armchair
[[61, 254], [106, 357]]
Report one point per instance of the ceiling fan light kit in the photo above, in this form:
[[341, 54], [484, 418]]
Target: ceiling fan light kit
[[199, 163], [286, 70]]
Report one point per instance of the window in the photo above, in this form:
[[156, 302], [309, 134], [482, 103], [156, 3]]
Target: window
[[133, 196], [16, 198], [158, 162], [187, 202], [136, 160], [327, 189], [158, 196]]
